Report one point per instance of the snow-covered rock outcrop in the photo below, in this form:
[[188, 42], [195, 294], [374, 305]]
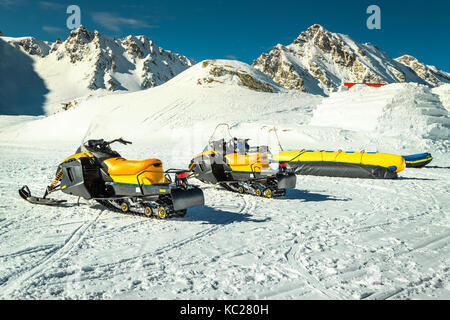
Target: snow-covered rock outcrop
[[213, 73], [430, 74]]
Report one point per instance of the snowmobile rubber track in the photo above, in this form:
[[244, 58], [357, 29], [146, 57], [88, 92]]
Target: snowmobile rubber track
[[275, 193], [111, 207]]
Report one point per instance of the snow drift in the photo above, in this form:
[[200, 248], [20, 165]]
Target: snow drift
[[410, 113]]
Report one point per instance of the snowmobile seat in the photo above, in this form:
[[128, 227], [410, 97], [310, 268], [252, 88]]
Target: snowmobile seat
[[241, 159], [248, 162], [126, 171], [121, 166]]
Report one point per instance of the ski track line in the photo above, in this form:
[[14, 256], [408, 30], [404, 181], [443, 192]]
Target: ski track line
[[161, 251], [27, 251], [113, 269], [374, 209], [24, 278], [168, 109], [115, 230], [424, 244], [197, 236], [424, 284], [313, 282], [4, 226], [291, 255], [110, 270], [309, 278]]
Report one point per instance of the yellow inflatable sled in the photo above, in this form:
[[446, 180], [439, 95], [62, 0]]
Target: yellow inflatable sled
[[350, 164]]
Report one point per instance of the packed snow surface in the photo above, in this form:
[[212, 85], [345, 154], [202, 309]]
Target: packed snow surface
[[329, 238]]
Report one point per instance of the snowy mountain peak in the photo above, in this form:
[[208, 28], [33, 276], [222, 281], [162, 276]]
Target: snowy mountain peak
[[312, 32], [88, 62], [82, 33], [319, 61]]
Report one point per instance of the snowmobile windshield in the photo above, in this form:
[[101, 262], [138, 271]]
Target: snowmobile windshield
[[220, 140], [223, 142], [102, 138]]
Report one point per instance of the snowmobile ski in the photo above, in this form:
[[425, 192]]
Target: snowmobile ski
[[25, 193]]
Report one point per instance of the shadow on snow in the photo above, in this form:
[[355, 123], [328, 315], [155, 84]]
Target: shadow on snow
[[211, 215], [308, 196]]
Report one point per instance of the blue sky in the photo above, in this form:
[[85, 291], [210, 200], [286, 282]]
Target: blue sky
[[242, 29]]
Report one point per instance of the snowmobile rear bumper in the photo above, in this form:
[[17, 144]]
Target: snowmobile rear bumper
[[286, 180], [182, 198], [187, 198]]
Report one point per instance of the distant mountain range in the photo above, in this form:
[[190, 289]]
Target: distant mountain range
[[82, 64], [39, 77]]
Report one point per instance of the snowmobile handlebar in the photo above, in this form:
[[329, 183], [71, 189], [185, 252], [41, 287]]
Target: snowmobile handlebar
[[102, 143], [121, 141]]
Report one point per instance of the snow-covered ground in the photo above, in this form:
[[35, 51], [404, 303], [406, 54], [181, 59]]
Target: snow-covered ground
[[329, 238]]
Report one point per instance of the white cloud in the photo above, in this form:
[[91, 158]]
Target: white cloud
[[51, 5], [51, 29], [232, 57], [114, 22], [9, 3]]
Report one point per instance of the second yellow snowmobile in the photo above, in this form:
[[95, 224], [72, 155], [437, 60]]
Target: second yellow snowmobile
[[233, 164]]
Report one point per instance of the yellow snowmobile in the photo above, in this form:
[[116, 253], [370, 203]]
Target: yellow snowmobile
[[97, 172], [234, 165]]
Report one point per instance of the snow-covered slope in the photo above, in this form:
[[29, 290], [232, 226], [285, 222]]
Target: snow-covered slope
[[86, 63], [319, 61], [395, 118], [212, 91], [227, 73]]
